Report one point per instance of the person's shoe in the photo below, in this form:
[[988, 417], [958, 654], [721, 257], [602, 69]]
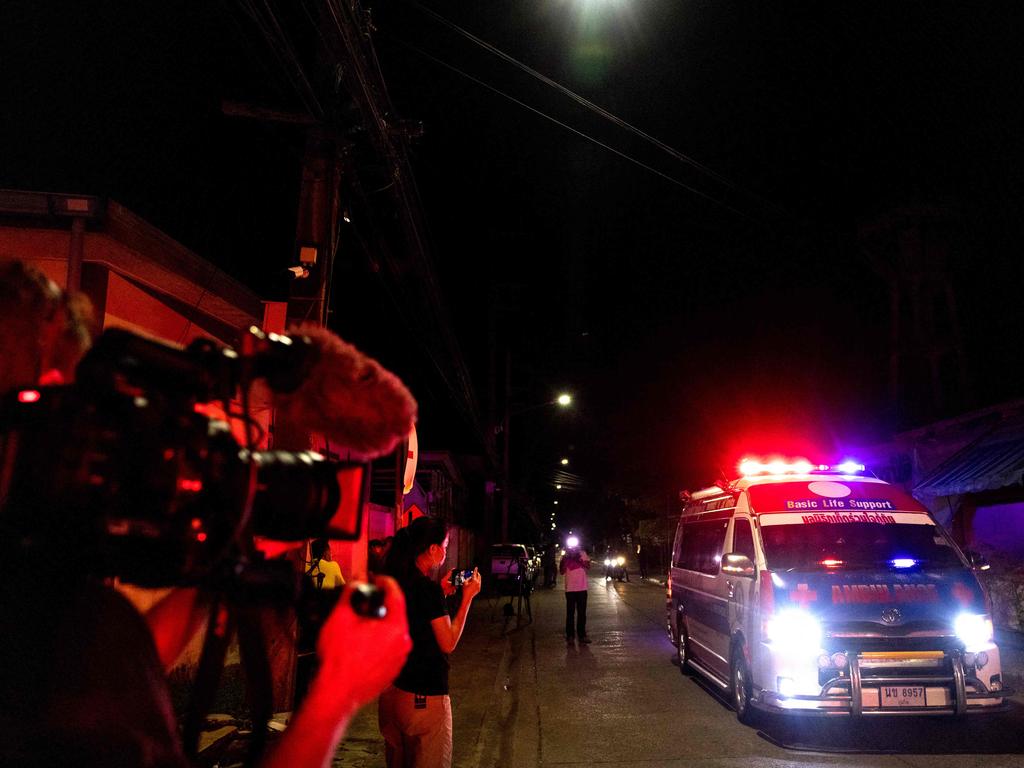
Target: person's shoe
[[585, 640]]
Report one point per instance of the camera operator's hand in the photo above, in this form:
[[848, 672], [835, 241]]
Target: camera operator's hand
[[447, 586], [471, 587], [359, 657]]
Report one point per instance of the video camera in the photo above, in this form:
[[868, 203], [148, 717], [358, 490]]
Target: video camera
[[126, 467]]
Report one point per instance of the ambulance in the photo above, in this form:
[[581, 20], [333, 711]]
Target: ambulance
[[808, 589]]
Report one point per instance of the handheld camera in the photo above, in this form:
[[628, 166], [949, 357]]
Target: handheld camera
[[458, 578]]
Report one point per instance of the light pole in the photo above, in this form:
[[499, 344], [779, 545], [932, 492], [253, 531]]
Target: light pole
[[563, 400]]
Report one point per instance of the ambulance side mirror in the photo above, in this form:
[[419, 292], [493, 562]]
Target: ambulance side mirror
[[738, 565], [977, 560]]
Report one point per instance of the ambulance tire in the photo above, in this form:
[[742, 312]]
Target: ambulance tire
[[682, 646], [740, 688]]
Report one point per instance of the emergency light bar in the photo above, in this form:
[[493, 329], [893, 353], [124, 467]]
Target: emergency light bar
[[749, 467]]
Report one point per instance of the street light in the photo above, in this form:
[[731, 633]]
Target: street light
[[558, 486], [563, 400], [565, 462]]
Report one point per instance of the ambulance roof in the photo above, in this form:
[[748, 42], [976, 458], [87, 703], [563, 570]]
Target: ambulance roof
[[789, 492], [825, 492]]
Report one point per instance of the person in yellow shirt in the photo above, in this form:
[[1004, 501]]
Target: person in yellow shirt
[[326, 573]]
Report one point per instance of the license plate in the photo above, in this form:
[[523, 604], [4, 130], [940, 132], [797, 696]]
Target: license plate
[[903, 696]]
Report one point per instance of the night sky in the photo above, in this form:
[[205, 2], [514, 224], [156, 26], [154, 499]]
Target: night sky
[[737, 297]]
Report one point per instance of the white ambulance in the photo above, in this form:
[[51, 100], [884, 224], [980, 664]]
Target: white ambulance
[[803, 589]]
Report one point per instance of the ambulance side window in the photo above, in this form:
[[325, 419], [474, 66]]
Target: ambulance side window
[[677, 554], [712, 546], [689, 551], [702, 545], [743, 539]]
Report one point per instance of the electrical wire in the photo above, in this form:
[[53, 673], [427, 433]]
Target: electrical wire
[[581, 134], [586, 103], [373, 96]]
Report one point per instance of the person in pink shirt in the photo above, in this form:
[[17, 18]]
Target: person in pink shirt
[[574, 566]]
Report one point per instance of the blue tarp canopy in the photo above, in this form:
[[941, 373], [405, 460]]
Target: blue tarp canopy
[[993, 461]]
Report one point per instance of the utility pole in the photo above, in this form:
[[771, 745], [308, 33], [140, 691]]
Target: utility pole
[[316, 228], [506, 482], [316, 243]]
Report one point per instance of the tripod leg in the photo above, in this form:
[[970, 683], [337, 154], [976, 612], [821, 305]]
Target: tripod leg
[[211, 663], [258, 678]]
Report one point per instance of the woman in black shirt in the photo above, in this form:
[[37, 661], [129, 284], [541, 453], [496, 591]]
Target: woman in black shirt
[[415, 713]]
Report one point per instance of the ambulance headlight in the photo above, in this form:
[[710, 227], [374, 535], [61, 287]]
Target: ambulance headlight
[[973, 629], [607, 562], [793, 629]]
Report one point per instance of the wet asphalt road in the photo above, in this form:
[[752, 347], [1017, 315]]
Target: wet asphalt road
[[523, 697], [622, 701]]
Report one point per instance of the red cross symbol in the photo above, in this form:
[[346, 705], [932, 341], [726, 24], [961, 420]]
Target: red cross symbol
[[963, 594], [803, 595]]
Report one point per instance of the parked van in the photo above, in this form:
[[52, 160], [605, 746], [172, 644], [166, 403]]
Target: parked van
[[801, 589], [512, 568]]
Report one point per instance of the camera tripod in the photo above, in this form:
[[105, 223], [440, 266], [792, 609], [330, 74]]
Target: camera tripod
[[514, 585]]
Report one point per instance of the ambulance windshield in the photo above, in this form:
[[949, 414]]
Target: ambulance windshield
[[857, 545]]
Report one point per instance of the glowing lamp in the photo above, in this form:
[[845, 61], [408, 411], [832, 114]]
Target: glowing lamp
[[28, 396], [850, 467]]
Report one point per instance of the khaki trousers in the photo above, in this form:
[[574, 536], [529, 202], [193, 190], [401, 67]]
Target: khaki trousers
[[415, 737]]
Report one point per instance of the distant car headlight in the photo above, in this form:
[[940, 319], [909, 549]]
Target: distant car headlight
[[607, 562], [794, 629], [621, 561], [975, 630]]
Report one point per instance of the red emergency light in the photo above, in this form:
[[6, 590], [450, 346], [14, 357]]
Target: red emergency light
[[750, 467]]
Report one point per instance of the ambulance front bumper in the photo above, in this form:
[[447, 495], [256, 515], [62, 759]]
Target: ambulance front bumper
[[898, 683]]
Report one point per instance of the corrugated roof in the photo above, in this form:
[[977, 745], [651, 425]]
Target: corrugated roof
[[995, 460]]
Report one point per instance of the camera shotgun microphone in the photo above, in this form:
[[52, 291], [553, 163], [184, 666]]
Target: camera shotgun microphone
[[348, 397]]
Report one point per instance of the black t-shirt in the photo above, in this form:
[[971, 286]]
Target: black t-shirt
[[426, 670], [81, 681]]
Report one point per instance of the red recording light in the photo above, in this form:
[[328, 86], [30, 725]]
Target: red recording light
[[29, 396], [201, 537], [191, 486]]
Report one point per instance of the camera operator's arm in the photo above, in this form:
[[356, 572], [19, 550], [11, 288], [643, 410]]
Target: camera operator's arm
[[359, 657], [448, 631], [174, 620]]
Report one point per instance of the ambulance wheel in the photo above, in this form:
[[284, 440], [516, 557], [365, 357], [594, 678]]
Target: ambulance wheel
[[682, 647], [740, 687]]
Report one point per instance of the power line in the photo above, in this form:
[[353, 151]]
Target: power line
[[569, 128], [671, 151], [370, 93]]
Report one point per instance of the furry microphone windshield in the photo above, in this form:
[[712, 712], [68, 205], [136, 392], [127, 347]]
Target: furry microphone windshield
[[348, 397]]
